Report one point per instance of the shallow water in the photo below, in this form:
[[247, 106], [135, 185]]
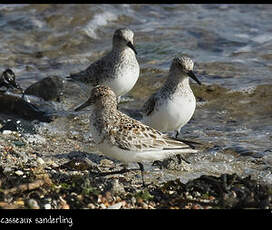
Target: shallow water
[[230, 44]]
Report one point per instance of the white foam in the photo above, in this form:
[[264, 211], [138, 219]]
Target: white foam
[[243, 49], [97, 21], [248, 90], [262, 38], [242, 35], [10, 7], [238, 60], [36, 22]]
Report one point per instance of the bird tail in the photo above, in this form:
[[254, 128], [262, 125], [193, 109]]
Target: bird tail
[[151, 155]]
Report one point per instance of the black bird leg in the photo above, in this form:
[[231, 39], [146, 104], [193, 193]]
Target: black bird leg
[[123, 170], [180, 158], [142, 172], [177, 133]]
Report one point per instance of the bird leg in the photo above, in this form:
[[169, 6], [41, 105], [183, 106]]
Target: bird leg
[[178, 155], [142, 172], [123, 170], [177, 133], [180, 158]]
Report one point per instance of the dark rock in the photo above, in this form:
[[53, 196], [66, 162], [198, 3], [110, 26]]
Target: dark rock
[[16, 106], [225, 191], [233, 191], [49, 88], [19, 126], [77, 164]]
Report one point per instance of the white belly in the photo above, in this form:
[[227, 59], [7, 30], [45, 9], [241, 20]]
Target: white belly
[[126, 73], [172, 114], [127, 156], [127, 78]]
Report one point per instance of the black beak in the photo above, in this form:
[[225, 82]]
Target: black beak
[[193, 76], [85, 104], [130, 45]]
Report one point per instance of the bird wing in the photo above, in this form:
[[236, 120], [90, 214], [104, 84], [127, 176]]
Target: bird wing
[[149, 105], [131, 134], [100, 69]]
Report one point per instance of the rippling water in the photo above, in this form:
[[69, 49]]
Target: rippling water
[[63, 38], [230, 44]]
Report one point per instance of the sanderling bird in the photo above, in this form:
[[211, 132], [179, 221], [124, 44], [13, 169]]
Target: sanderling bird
[[124, 138], [119, 69], [8, 81], [173, 105]]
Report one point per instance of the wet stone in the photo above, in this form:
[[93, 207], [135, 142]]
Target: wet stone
[[40, 161], [77, 164], [18, 125], [25, 127], [117, 187], [233, 191], [7, 132], [173, 163], [47, 206], [49, 88], [19, 173], [33, 204], [23, 156], [116, 206], [18, 107], [9, 125]]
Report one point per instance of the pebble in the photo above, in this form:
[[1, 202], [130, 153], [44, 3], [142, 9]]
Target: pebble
[[117, 188], [107, 163], [7, 132], [47, 206], [40, 161], [116, 206], [7, 169], [102, 206], [19, 173], [24, 157], [63, 204], [35, 139], [133, 200], [91, 206], [33, 204], [20, 202]]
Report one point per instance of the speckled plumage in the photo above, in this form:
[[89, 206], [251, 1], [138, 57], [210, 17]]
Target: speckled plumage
[[123, 138], [119, 69], [173, 105]]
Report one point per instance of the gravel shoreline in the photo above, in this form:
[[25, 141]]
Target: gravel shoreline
[[33, 180]]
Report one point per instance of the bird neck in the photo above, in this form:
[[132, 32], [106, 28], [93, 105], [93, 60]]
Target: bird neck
[[105, 109], [177, 81], [102, 118], [121, 48], [116, 44]]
